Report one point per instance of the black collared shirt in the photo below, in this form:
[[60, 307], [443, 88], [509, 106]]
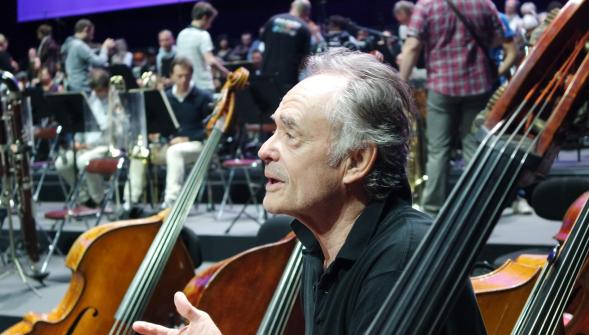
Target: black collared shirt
[[345, 297]]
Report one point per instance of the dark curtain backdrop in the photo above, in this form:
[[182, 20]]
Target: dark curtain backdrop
[[140, 26]]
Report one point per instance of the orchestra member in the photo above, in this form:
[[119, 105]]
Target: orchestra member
[[337, 164], [194, 43], [190, 105], [78, 56]]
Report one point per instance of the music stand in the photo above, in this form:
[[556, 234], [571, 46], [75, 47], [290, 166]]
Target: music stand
[[39, 105], [125, 72], [159, 116], [68, 108]]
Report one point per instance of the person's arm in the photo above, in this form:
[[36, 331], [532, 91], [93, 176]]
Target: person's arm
[[213, 61], [409, 56], [509, 59], [102, 58]]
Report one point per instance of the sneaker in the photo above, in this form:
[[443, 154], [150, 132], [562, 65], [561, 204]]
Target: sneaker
[[520, 206]]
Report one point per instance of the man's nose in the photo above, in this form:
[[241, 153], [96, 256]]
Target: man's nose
[[267, 151]]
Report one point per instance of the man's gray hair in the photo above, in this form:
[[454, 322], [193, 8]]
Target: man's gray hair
[[375, 106]]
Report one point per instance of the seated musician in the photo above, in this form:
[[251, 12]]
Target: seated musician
[[89, 145], [190, 105], [337, 164]]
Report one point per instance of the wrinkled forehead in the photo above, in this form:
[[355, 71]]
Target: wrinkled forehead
[[310, 100]]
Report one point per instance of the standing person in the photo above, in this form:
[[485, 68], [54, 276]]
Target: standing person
[[402, 12], [48, 49], [287, 41], [194, 43], [79, 57], [460, 79], [337, 164], [166, 53], [190, 105]]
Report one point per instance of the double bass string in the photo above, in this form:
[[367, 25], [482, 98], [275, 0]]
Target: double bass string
[[163, 245], [278, 312], [476, 168], [544, 315], [174, 227], [144, 282], [564, 276], [444, 213]]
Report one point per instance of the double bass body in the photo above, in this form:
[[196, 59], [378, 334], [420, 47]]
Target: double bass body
[[103, 262]]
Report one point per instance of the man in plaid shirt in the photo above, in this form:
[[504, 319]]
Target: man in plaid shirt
[[459, 79]]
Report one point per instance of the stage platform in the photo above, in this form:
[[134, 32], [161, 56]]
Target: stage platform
[[512, 233]]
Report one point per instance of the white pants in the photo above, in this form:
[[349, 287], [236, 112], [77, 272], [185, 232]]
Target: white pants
[[64, 164], [177, 156]]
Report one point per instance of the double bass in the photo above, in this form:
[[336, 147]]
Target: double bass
[[254, 292], [127, 270], [525, 128]]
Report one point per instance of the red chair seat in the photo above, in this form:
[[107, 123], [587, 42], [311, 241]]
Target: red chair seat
[[241, 163], [104, 166], [46, 133], [78, 211]]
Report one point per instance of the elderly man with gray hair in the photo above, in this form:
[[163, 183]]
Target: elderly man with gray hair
[[336, 163]]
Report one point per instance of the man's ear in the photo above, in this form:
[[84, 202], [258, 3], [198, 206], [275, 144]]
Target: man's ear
[[359, 163]]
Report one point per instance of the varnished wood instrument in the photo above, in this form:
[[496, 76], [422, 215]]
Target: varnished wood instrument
[[128, 270], [577, 310], [544, 309], [103, 261], [254, 291], [525, 127], [16, 161], [502, 293]]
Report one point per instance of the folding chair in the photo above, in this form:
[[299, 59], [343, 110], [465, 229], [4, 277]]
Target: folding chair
[[51, 136], [107, 167]]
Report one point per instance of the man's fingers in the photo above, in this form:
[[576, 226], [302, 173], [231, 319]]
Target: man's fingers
[[146, 328], [185, 308]]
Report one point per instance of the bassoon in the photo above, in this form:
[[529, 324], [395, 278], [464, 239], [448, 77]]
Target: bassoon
[[16, 161]]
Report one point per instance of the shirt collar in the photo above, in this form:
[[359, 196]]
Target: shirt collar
[[360, 234], [183, 96]]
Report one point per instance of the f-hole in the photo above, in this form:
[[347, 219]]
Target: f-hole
[[92, 310]]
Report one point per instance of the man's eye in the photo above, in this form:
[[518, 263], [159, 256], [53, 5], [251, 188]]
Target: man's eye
[[289, 135]]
